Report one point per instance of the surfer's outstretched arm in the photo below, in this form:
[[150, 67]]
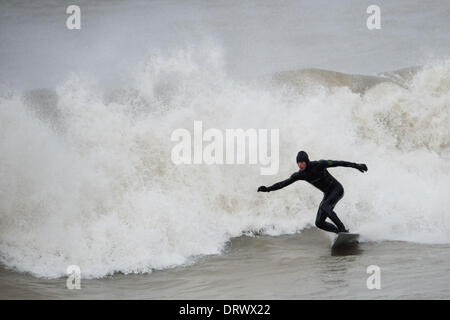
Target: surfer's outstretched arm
[[279, 185], [337, 163]]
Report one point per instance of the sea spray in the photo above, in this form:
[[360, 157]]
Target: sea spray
[[99, 189]]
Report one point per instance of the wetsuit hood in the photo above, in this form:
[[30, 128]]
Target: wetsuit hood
[[302, 156]]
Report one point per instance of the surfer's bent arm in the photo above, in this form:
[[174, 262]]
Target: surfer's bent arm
[[279, 185], [338, 163]]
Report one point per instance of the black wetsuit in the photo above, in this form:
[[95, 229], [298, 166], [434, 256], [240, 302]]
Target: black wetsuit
[[316, 173]]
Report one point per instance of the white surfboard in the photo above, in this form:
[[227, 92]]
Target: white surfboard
[[344, 238]]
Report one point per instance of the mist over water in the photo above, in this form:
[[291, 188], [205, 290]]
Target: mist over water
[[85, 143], [256, 37]]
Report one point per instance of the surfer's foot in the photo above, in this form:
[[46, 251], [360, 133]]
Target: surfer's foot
[[345, 230]]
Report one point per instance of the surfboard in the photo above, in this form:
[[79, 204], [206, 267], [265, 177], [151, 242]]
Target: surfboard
[[344, 238]]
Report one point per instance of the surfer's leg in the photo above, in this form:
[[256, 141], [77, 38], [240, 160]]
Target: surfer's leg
[[337, 221], [335, 195], [321, 223]]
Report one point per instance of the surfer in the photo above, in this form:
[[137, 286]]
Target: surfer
[[316, 173]]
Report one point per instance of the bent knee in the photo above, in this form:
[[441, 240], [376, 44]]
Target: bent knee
[[319, 223], [326, 207]]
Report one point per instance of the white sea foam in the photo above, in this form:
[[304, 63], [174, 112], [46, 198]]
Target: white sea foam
[[88, 180]]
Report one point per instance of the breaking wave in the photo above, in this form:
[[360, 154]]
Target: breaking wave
[[87, 177]]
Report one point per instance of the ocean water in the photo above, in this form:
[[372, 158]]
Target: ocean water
[[85, 152], [299, 266]]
